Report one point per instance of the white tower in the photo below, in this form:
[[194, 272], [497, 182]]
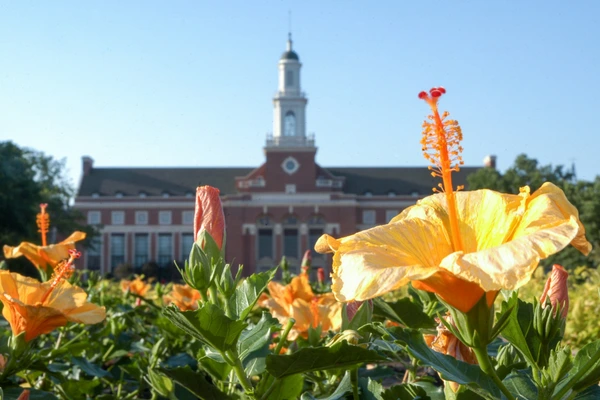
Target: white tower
[[289, 104]]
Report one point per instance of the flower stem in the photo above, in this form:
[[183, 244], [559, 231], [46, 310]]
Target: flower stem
[[237, 366], [354, 379], [284, 335], [487, 367]]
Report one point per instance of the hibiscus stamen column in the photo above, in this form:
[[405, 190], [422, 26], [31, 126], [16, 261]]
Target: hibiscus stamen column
[[43, 222], [441, 146], [64, 270]]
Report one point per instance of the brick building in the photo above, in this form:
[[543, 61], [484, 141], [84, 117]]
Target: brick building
[[278, 208]]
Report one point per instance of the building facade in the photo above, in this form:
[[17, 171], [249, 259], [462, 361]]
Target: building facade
[[279, 208]]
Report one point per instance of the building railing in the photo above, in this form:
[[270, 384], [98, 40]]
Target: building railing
[[290, 141]]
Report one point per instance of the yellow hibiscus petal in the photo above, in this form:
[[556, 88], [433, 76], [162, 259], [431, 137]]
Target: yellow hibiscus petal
[[376, 261]]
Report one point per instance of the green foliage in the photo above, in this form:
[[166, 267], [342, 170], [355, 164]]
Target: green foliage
[[28, 178], [584, 195]]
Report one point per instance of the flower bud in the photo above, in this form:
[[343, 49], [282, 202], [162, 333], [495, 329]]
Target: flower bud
[[349, 335], [556, 290], [226, 282], [321, 275], [306, 262], [353, 306], [209, 215]]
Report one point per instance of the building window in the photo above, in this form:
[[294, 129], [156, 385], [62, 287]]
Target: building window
[[391, 193], [94, 217], [187, 217], [290, 188], [164, 217], [289, 78], [119, 195], [265, 243], [117, 217], [368, 217], [143, 195], [94, 254], [291, 242], [142, 248], [95, 195], [141, 217], [165, 249], [389, 214], [117, 250], [368, 193], [166, 195], [187, 241]]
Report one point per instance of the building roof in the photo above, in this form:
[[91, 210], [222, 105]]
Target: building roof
[[157, 181], [290, 55], [396, 180], [182, 181]]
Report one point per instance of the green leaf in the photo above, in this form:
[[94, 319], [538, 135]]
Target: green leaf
[[344, 387], [288, 388], [520, 384], [370, 389], [340, 355], [89, 368], [195, 382], [588, 360], [405, 391], [208, 324], [591, 393], [404, 312], [519, 327], [258, 336], [246, 295], [13, 393], [448, 367]]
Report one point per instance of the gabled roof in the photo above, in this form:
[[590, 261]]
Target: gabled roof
[[156, 181], [399, 180], [181, 181]]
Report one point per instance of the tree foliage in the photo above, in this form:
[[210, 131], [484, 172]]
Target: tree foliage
[[584, 195], [28, 178]]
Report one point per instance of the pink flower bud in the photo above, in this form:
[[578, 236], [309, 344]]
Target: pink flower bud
[[321, 275], [556, 289], [353, 306], [209, 214], [306, 260]]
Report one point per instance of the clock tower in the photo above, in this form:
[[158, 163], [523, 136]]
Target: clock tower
[[289, 104]]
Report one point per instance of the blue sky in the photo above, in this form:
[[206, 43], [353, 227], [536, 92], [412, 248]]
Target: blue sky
[[190, 83]]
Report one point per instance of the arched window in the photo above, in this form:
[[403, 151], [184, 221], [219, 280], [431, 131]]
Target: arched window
[[289, 124]]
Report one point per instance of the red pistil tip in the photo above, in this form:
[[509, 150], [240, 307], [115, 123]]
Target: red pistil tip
[[423, 95], [74, 253], [43, 206]]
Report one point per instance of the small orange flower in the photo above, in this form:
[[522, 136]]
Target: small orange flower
[[36, 308], [446, 343], [556, 289], [136, 286], [44, 256], [184, 297], [298, 301], [209, 214]]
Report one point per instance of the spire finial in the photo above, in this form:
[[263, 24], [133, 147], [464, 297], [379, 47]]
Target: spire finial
[[289, 41]]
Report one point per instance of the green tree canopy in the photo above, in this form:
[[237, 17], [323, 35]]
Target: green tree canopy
[[27, 179], [582, 194]]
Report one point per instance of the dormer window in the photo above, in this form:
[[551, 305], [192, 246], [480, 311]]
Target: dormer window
[[368, 194], [391, 193], [143, 195], [415, 194], [166, 195], [118, 195], [95, 195], [189, 195]]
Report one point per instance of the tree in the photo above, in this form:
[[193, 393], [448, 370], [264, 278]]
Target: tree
[[27, 179], [584, 195]]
